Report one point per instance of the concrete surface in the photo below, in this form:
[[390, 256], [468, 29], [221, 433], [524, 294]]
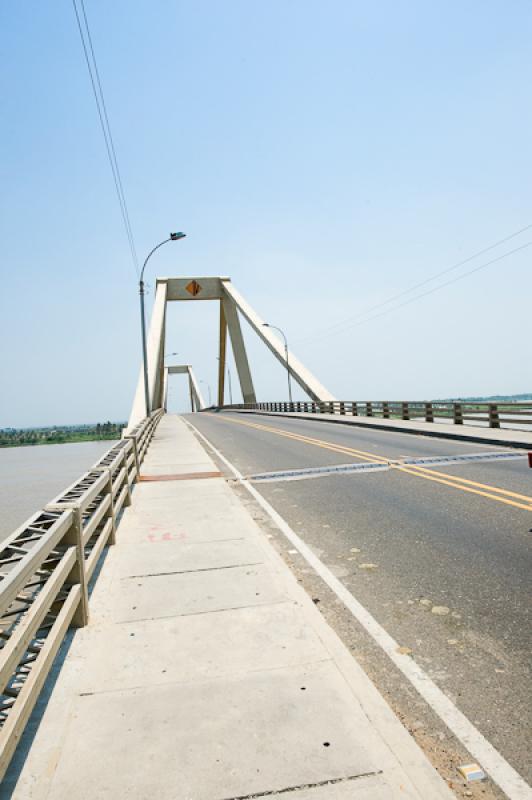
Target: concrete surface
[[217, 681]]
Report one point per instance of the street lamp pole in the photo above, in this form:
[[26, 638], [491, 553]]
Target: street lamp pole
[[172, 238], [267, 325], [209, 391], [228, 382], [229, 385]]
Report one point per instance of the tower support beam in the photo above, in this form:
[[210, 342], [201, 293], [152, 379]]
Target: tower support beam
[[221, 356], [300, 373], [239, 350]]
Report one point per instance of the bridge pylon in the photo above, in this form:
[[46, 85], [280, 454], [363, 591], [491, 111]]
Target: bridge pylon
[[196, 400], [232, 307]]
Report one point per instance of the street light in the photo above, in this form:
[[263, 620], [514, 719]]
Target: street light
[[228, 382], [209, 391], [172, 238], [267, 325]]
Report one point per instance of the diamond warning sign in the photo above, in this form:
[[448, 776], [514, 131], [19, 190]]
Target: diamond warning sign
[[193, 288]]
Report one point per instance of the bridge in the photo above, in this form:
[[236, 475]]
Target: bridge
[[322, 598]]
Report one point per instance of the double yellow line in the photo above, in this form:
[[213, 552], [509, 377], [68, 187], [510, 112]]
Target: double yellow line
[[484, 490]]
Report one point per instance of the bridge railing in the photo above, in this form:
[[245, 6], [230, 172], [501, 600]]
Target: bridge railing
[[492, 415], [45, 568]]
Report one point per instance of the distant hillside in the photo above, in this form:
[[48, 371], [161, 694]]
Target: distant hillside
[[492, 398]]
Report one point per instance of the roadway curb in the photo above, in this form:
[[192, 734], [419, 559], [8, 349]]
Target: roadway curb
[[458, 435]]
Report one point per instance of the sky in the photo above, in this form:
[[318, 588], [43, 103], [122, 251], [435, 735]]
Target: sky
[[325, 156]]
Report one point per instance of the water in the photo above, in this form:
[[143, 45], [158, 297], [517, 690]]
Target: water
[[32, 476]]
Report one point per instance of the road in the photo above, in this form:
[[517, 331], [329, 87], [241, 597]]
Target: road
[[438, 553]]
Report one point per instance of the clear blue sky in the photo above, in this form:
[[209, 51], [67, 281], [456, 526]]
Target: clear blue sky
[[324, 155]]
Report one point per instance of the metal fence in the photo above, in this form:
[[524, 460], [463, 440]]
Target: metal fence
[[45, 567], [493, 415]]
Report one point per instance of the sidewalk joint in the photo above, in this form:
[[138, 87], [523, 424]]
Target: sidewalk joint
[[288, 789], [188, 571]]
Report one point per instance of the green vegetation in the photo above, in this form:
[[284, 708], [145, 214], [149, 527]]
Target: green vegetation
[[493, 398], [60, 434]]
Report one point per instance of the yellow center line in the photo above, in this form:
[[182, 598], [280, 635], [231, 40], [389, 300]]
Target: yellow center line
[[458, 479], [454, 481], [433, 477], [337, 448]]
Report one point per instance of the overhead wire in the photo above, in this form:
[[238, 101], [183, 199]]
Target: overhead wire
[[430, 291], [105, 126], [353, 321]]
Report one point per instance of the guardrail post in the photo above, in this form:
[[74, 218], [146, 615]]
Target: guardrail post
[[385, 410], [331, 407], [127, 501], [354, 409], [369, 410], [110, 513], [429, 412], [135, 453], [457, 414], [494, 421], [342, 407], [74, 536], [405, 414]]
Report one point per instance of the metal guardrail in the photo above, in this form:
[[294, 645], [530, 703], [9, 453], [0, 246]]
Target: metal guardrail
[[494, 415], [45, 568]]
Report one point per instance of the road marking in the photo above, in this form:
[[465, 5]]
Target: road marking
[[466, 488], [454, 481], [473, 483], [337, 448], [492, 761]]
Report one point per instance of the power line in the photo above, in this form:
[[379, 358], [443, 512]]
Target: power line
[[354, 320], [105, 126], [435, 289]]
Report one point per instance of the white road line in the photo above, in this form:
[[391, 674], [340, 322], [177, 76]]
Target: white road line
[[511, 783]]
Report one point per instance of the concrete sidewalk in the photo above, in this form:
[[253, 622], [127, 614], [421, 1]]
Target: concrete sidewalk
[[206, 672], [502, 437]]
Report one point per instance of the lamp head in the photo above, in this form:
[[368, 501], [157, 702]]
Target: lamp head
[[175, 236]]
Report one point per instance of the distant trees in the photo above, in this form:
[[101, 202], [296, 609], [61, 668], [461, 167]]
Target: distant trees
[[60, 434]]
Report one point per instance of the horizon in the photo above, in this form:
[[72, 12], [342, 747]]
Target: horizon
[[457, 399]]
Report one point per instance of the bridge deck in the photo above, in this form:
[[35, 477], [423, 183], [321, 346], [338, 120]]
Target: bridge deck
[[206, 672]]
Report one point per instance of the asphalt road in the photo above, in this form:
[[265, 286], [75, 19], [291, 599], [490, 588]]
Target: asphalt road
[[454, 535]]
